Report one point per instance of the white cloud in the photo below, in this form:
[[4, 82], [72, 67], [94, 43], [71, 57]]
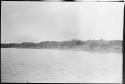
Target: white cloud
[[61, 21]]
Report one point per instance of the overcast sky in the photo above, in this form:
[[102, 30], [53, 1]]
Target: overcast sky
[[42, 21]]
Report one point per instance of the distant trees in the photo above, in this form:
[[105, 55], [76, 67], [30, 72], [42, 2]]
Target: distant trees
[[8, 45], [75, 43]]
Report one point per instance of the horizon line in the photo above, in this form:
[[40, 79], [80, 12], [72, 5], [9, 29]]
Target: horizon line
[[59, 41]]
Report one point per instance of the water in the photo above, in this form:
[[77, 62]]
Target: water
[[44, 65]]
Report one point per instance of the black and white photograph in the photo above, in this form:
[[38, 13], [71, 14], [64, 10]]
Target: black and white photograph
[[61, 42]]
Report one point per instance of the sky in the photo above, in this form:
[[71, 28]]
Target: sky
[[59, 21]]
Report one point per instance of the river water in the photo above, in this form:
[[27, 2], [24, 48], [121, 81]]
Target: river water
[[67, 66]]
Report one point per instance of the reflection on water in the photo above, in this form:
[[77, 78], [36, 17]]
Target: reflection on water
[[44, 65]]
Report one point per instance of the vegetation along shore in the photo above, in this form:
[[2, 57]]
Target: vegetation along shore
[[89, 45]]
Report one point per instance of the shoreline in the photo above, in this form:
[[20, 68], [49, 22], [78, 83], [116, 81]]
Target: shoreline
[[77, 49]]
